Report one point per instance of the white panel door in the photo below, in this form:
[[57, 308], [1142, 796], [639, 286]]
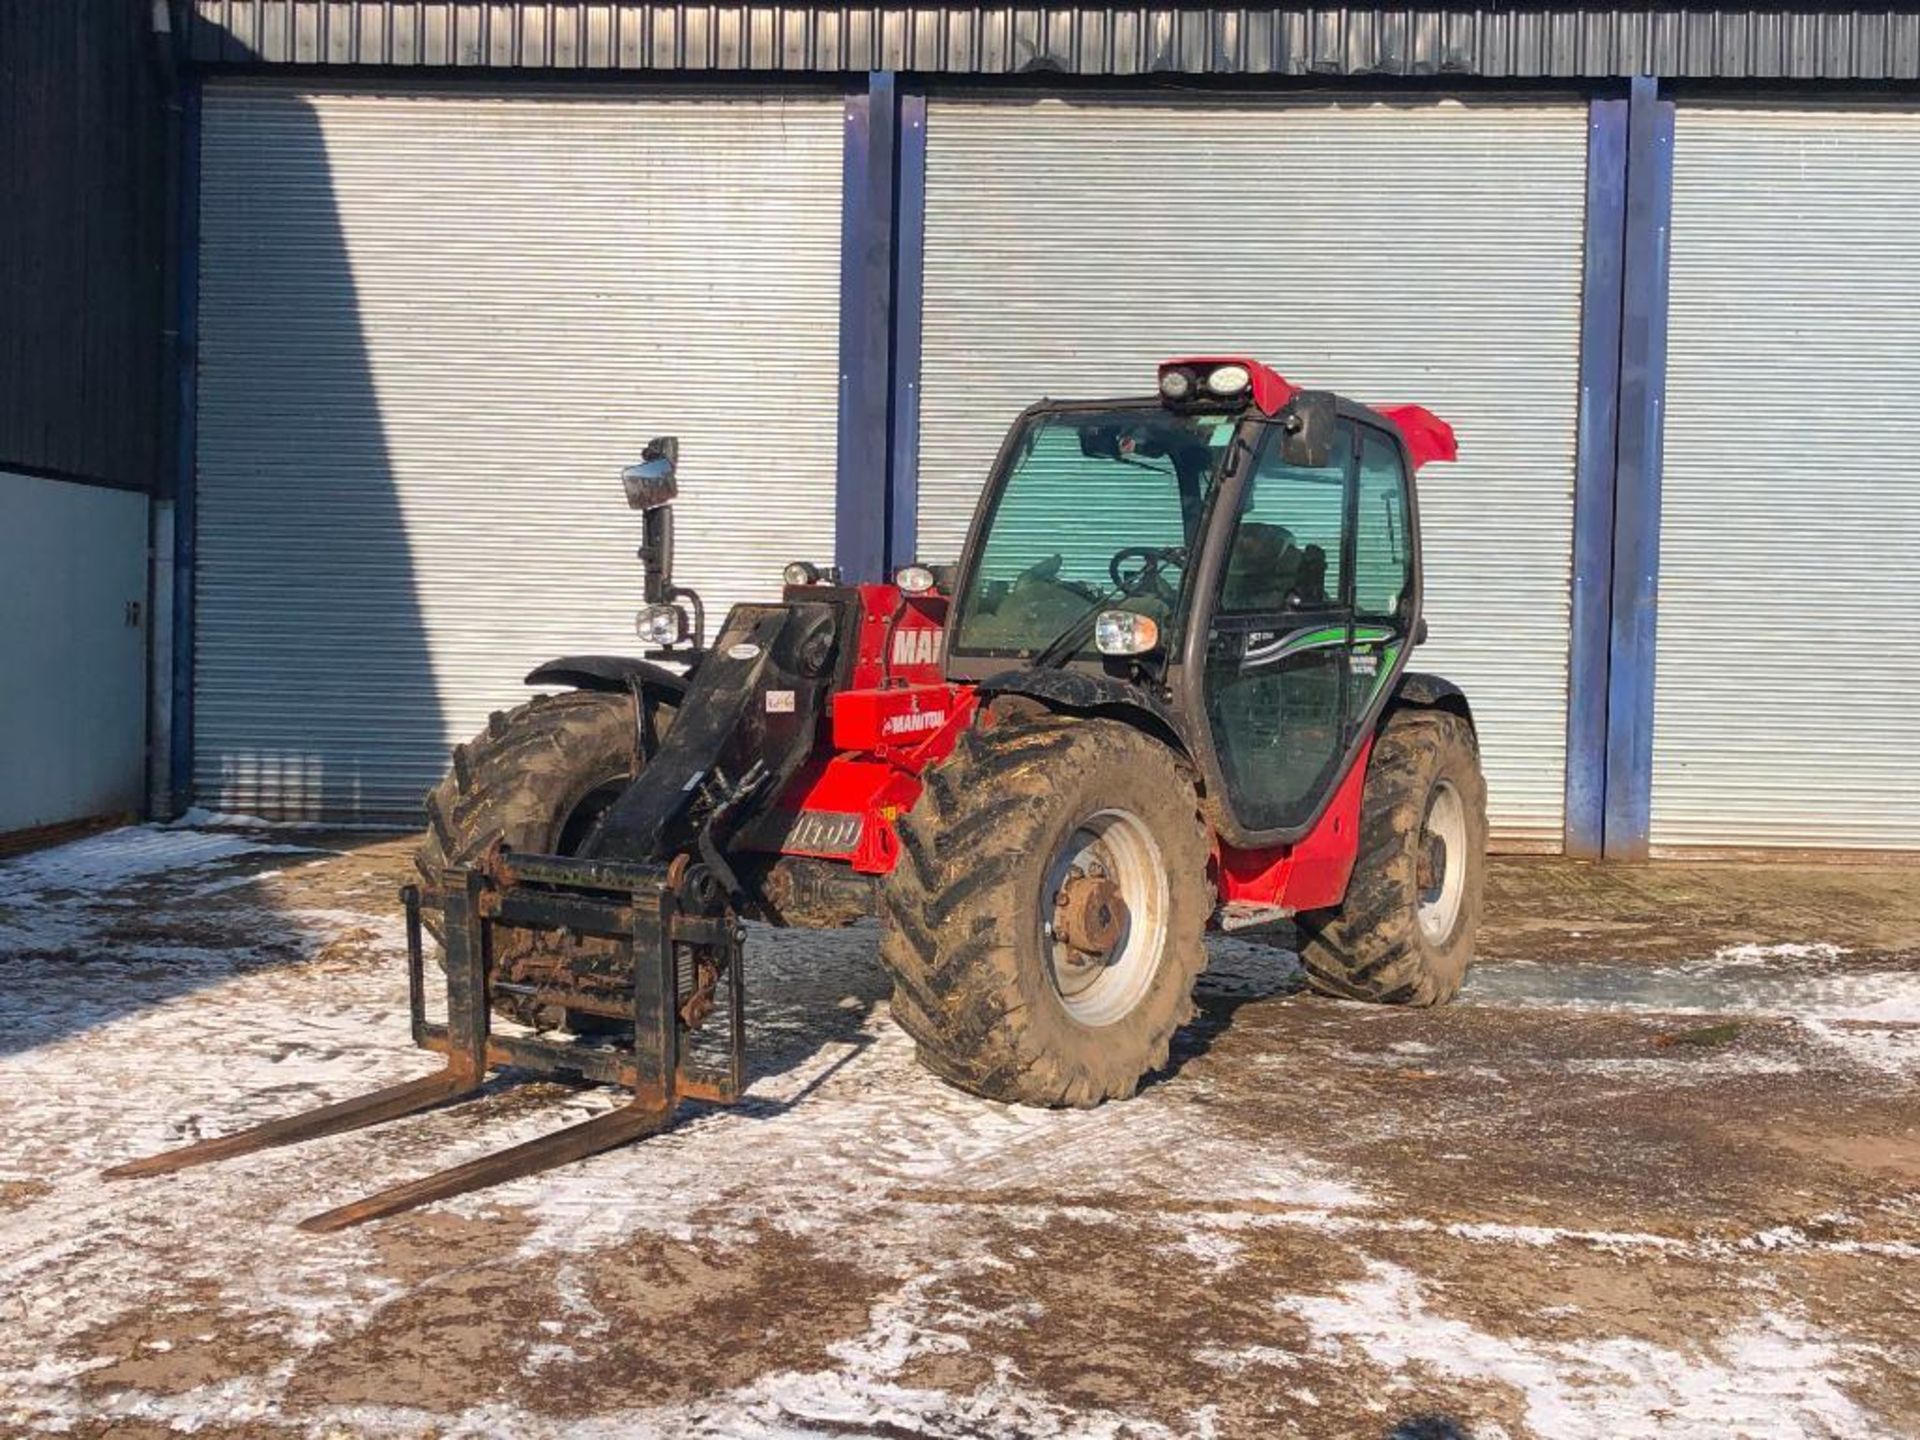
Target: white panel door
[[73, 586], [1788, 664], [1423, 252], [433, 327]]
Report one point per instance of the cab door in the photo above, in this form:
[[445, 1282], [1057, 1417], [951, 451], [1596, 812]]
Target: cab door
[[1279, 681], [1385, 587]]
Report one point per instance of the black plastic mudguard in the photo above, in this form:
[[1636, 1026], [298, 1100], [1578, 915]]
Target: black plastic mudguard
[[1078, 693], [1431, 692], [616, 673]]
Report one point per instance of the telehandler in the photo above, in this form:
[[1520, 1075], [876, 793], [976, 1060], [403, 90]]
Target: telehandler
[[1165, 688]]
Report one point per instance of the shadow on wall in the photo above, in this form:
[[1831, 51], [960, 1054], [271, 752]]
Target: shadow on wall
[[314, 692]]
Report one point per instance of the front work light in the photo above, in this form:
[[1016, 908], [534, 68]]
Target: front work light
[[1121, 632], [1175, 385], [1228, 380], [661, 624], [914, 579]]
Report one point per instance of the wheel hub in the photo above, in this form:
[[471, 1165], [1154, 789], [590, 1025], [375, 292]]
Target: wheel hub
[[1090, 914], [1105, 904]]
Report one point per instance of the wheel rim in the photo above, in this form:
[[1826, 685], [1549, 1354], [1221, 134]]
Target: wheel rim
[[1116, 847], [1442, 862]]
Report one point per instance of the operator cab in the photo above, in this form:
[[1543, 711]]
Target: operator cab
[[1240, 554]]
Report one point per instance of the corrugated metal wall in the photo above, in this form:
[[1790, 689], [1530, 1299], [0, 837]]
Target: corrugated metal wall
[[433, 328], [1507, 41], [1789, 633], [82, 241], [1427, 252]]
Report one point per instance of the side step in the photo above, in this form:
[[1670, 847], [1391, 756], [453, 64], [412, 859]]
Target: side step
[[640, 906]]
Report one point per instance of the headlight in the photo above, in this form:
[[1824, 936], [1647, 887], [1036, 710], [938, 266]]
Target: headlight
[[805, 572], [1121, 632], [1226, 380], [1175, 384], [914, 579], [661, 624]]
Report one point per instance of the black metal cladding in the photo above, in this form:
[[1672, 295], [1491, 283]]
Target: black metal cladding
[[1104, 40], [83, 224]]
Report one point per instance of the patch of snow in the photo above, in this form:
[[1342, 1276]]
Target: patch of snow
[[1676, 1069], [201, 818], [1770, 1379], [1248, 1357], [1729, 955], [1216, 1251], [1704, 987], [1890, 1051], [131, 853]]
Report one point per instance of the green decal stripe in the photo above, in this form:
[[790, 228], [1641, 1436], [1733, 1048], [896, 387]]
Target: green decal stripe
[[1388, 657]]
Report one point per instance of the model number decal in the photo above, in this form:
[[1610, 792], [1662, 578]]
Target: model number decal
[[823, 831], [917, 647]]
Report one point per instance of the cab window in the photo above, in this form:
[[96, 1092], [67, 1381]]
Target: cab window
[[1382, 548], [1286, 551]]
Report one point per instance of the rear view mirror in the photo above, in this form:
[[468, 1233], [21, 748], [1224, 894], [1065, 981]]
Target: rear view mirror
[[651, 483], [1100, 442], [1308, 423]]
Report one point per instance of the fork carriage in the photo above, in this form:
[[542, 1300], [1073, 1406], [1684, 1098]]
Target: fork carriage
[[683, 948]]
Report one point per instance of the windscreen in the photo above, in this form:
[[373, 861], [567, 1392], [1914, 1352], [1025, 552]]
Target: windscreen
[[1099, 508]]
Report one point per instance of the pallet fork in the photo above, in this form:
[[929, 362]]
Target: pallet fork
[[663, 920]]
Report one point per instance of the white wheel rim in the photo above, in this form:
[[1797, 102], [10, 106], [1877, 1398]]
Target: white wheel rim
[[1442, 854], [1100, 990]]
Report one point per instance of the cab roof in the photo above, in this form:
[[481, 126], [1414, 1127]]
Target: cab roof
[[1427, 436]]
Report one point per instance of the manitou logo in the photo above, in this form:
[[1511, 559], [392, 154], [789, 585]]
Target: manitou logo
[[914, 722], [917, 647]]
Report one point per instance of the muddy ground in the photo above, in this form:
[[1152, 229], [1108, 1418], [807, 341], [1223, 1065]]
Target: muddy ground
[[1657, 1174]]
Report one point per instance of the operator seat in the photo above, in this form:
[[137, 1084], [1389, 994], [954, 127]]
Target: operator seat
[[1264, 569]]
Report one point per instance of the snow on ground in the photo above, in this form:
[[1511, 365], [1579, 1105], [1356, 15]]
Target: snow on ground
[[1872, 1016], [1768, 1381], [249, 978]]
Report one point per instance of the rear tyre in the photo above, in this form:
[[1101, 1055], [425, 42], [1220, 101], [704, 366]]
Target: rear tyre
[[1404, 934], [535, 780], [1009, 994]]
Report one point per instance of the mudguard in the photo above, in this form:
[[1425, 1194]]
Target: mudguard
[[1431, 692], [616, 673], [1079, 693]]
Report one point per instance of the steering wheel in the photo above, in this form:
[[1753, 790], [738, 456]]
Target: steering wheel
[[1151, 558]]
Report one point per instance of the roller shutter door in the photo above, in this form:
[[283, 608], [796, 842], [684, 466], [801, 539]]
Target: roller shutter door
[[1788, 656], [433, 327], [1426, 252]]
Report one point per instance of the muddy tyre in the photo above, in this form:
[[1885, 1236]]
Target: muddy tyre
[[1007, 994], [535, 779], [1404, 935]]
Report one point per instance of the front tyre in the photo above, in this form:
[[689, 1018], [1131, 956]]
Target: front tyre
[[1404, 935], [536, 779], [1044, 922]]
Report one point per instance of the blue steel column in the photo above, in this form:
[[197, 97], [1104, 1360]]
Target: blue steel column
[[185, 476], [866, 324], [1636, 521], [1593, 487], [909, 257]]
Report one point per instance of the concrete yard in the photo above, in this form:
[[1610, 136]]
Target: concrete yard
[[1658, 1173]]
